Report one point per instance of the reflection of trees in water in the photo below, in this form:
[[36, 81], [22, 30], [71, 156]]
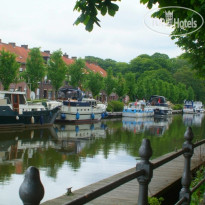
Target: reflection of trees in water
[[6, 170], [52, 159]]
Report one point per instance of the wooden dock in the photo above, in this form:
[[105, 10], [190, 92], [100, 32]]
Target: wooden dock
[[163, 177]]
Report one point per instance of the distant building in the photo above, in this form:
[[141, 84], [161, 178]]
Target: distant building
[[45, 89]]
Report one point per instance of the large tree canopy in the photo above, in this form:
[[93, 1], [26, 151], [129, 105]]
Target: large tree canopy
[[35, 68], [192, 43], [56, 69], [8, 68]]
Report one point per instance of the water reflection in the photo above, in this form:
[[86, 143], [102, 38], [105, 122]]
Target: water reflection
[[155, 126], [84, 131], [75, 156], [193, 119]]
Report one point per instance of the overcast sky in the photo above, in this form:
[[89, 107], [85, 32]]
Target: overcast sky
[[49, 24]]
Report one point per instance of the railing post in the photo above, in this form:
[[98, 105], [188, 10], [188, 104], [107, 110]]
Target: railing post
[[145, 152], [31, 190], [186, 177]]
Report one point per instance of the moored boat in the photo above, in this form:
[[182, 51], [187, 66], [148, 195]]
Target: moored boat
[[160, 106], [188, 107], [76, 110], [137, 109], [15, 111]]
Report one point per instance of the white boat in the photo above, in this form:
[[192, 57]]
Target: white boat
[[77, 110], [137, 109], [17, 112], [188, 107], [159, 105], [198, 107]]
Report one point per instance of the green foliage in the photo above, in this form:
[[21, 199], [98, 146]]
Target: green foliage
[[115, 106], [143, 63], [105, 64], [56, 69], [120, 86], [109, 82], [197, 196], [155, 200], [76, 73], [130, 85], [94, 83], [193, 43], [89, 10], [8, 68], [35, 68], [178, 107]]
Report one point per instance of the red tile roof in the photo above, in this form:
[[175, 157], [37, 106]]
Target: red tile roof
[[68, 61], [96, 68], [22, 55], [21, 52]]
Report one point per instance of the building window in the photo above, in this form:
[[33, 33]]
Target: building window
[[20, 69]]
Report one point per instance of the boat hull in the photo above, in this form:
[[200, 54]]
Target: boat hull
[[137, 114], [10, 118], [80, 112]]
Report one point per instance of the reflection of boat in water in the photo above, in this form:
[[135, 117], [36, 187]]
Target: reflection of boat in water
[[155, 126], [15, 146], [80, 131], [193, 119], [137, 109]]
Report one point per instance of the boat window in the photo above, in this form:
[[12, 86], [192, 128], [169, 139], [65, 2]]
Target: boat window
[[8, 97], [21, 99], [15, 98]]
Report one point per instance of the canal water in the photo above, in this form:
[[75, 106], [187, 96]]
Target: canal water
[[78, 155]]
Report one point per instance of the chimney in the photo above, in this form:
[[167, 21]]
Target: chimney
[[65, 55], [24, 46], [0, 40], [12, 44], [48, 52], [74, 57]]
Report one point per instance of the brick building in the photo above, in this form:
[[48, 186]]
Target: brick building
[[45, 89]]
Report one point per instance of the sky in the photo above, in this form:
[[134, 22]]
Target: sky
[[48, 24]]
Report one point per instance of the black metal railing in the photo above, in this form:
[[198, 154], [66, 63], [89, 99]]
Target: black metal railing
[[31, 191]]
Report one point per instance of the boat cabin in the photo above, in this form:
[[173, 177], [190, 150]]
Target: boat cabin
[[17, 102]]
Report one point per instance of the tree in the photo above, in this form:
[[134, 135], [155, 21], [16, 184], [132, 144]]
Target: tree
[[143, 63], [94, 83], [8, 68], [193, 44], [109, 83], [190, 93], [56, 69], [76, 73], [89, 10], [35, 68], [121, 86], [131, 85]]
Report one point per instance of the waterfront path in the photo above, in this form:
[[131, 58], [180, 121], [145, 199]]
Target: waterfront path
[[163, 177]]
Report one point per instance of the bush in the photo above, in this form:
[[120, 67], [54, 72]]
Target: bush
[[115, 106], [178, 107], [155, 200]]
